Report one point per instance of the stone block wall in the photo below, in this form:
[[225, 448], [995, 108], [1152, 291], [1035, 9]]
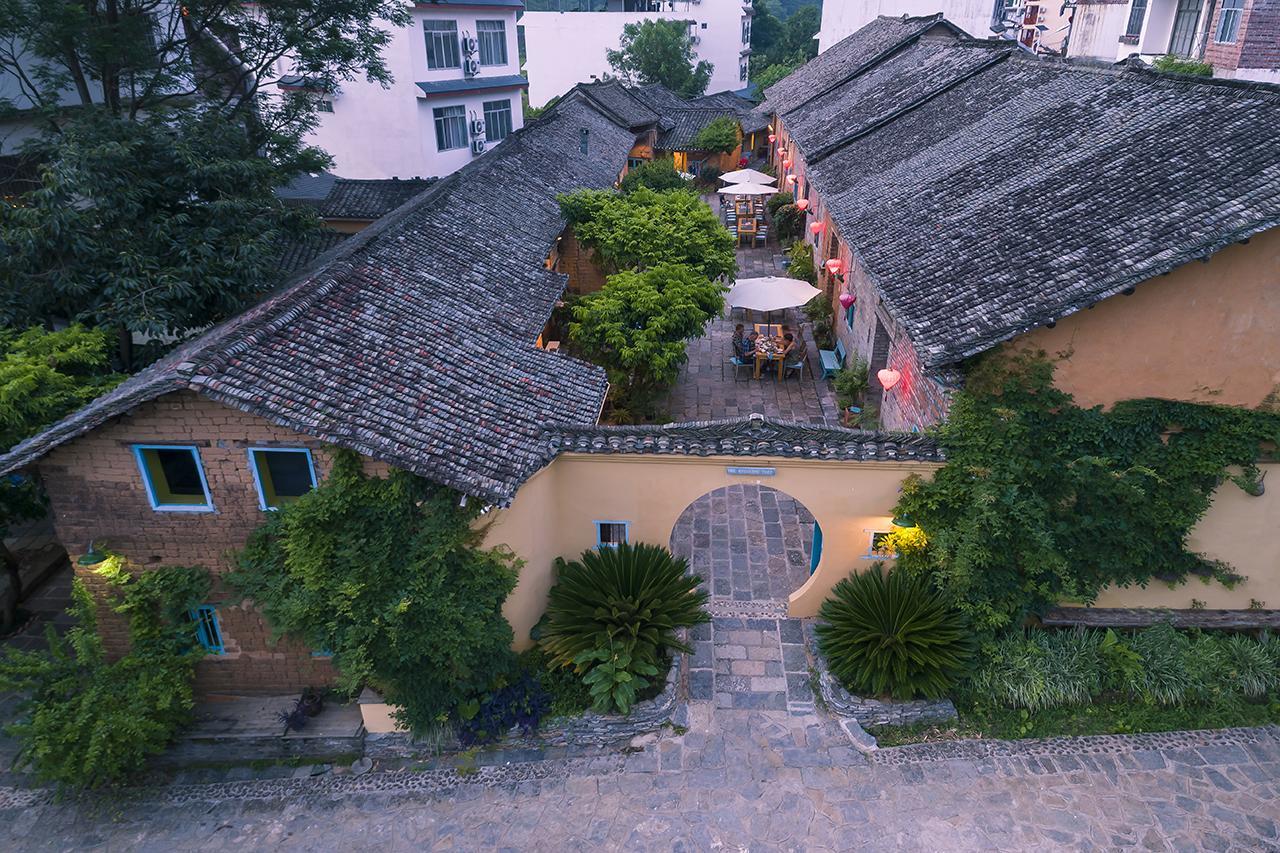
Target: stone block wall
[[97, 494]]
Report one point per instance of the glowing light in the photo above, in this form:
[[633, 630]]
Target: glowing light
[[888, 378], [817, 228], [833, 266], [847, 299]]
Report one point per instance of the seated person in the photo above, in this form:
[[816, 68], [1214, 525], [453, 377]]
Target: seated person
[[748, 350], [737, 339], [793, 351]]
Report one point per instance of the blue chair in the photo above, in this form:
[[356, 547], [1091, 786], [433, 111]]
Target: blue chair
[[799, 366], [737, 364]]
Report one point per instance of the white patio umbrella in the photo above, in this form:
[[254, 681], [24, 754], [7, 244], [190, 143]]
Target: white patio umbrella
[[748, 176], [771, 293], [747, 189]]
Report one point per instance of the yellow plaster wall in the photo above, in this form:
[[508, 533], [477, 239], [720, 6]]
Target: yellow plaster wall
[[1242, 530], [1207, 332], [553, 514]]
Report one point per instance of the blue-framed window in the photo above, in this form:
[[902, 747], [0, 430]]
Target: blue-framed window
[[815, 549], [174, 477], [281, 474], [849, 314], [208, 633], [609, 534]]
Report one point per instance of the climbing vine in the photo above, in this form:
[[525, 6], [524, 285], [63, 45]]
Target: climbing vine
[[1042, 501]]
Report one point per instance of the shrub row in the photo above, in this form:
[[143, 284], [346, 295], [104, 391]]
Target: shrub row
[[1160, 665]]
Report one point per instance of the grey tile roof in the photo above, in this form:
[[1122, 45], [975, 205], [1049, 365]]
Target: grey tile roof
[[473, 84], [620, 103], [297, 254], [848, 55], [659, 98], [988, 192], [350, 199], [751, 436], [685, 126], [413, 342]]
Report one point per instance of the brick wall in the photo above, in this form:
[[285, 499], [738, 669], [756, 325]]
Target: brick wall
[[97, 495], [579, 264], [1260, 35]]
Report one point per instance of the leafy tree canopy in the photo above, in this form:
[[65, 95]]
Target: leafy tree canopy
[[782, 39], [660, 52], [720, 134], [161, 138], [643, 229], [636, 326], [657, 175], [389, 575], [1042, 501]]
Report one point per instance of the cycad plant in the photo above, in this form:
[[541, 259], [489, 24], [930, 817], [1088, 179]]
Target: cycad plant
[[621, 607], [890, 633]]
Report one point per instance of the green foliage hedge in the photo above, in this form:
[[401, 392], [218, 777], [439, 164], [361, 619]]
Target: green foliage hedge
[[1042, 501], [657, 175], [85, 721], [719, 135], [613, 616], [890, 634], [1037, 669], [389, 576]]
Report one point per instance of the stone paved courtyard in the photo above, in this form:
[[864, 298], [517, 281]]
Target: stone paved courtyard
[[738, 780], [707, 390]]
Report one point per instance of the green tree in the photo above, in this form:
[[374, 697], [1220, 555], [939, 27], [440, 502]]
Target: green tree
[[43, 377], [643, 228], [637, 325], [781, 43], [657, 175], [388, 574], [161, 138], [721, 134], [770, 74], [660, 52]]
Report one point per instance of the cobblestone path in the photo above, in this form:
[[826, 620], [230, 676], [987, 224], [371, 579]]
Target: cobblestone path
[[739, 780]]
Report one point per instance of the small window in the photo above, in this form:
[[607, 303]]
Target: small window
[[497, 120], [442, 44], [743, 69], [451, 127], [208, 634], [876, 549], [1229, 22], [174, 478], [492, 36], [584, 140], [326, 106], [610, 533], [282, 475], [635, 162], [849, 314], [1137, 13], [695, 167]]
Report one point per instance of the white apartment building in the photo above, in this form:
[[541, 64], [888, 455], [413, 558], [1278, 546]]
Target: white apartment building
[[565, 41], [456, 93], [1037, 25]]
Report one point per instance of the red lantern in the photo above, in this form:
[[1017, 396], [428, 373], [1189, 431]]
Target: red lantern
[[833, 266], [817, 228], [802, 204], [786, 164], [888, 378], [847, 299], [773, 137], [791, 179]]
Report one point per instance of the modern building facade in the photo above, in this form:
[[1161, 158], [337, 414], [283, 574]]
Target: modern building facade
[[564, 41], [1037, 25], [457, 93], [1239, 38]]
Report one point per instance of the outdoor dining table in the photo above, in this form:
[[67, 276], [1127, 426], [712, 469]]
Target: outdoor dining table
[[767, 350]]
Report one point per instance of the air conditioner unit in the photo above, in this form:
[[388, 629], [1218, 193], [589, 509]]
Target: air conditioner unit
[[477, 146], [471, 67], [469, 44], [477, 127]]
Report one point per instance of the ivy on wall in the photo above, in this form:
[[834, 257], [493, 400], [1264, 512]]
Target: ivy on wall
[[1042, 501]]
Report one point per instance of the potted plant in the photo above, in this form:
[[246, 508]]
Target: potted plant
[[312, 702]]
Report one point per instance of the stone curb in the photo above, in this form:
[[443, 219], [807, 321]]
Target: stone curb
[[870, 712], [1228, 745]]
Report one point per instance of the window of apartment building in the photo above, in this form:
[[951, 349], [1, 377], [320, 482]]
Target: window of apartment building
[[208, 632], [610, 533], [497, 120], [1137, 12], [1184, 27], [849, 314], [492, 36], [442, 44], [174, 478], [451, 127], [746, 31], [326, 106], [742, 68], [282, 475], [1229, 21]]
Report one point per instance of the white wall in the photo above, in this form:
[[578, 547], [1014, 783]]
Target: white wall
[[1096, 32], [390, 133], [841, 18], [566, 48]]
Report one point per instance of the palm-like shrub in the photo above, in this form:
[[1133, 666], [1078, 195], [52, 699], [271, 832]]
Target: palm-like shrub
[[891, 633], [619, 610]]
